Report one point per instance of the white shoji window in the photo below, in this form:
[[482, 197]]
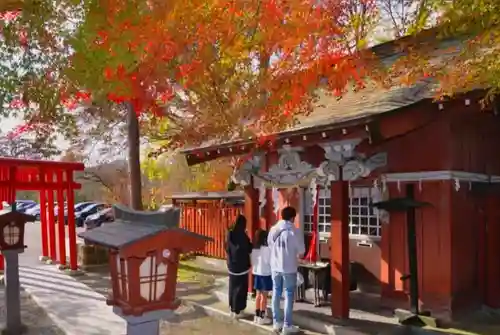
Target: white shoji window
[[324, 208], [363, 220]]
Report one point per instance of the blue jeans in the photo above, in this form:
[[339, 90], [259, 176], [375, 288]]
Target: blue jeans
[[287, 281]]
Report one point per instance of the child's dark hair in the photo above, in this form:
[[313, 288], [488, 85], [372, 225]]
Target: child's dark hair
[[260, 239]]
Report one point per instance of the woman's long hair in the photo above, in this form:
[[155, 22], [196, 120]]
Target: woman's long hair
[[260, 238], [239, 225]]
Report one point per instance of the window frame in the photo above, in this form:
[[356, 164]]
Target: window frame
[[306, 216]]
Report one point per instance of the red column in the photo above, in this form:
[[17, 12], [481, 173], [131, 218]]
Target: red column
[[61, 231], [51, 221], [12, 185], [339, 248], [43, 217], [71, 223], [2, 198], [492, 246], [252, 216]]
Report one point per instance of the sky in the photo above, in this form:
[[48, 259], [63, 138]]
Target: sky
[[7, 124]]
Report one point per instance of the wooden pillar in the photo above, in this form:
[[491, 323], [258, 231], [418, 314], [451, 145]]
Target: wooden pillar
[[492, 246], [339, 248], [3, 197], [73, 257], [61, 229], [49, 209], [252, 216], [43, 218]]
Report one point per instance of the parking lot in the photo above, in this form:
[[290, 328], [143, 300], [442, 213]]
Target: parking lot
[[33, 241]]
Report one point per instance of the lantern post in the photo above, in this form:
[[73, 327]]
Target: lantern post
[[408, 205], [144, 250], [12, 224]]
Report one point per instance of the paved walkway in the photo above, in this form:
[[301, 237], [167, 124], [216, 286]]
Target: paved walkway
[[74, 307], [33, 316], [78, 309]]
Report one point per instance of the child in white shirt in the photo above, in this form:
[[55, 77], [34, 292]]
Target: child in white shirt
[[262, 279]]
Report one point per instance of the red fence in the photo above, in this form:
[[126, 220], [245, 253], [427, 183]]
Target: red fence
[[211, 219]]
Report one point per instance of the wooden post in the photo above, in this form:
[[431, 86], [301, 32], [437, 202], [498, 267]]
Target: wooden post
[[43, 219], [252, 216], [49, 209], [73, 259], [3, 195], [61, 229], [339, 249]]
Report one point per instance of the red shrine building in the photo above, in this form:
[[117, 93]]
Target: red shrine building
[[367, 147]]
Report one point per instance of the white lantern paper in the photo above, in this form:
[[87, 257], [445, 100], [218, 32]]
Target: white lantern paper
[[11, 234], [152, 278]]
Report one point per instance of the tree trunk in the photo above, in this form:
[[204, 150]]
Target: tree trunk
[[134, 159]]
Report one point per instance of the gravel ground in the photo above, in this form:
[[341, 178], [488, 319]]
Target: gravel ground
[[35, 318]]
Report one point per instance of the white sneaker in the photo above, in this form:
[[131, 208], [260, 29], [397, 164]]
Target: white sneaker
[[256, 319], [264, 321], [277, 327], [290, 330]]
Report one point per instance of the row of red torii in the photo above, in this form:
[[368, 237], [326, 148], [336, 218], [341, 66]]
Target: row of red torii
[[55, 184]]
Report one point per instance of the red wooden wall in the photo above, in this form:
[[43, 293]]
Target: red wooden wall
[[475, 137], [211, 219]]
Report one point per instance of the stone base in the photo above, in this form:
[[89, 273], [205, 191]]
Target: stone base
[[409, 318], [43, 259], [20, 331], [91, 255], [62, 267], [74, 273], [148, 323]]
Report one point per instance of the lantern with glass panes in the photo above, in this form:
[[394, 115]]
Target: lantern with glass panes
[[144, 250], [12, 229]]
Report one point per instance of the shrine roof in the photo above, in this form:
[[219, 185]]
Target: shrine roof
[[132, 226], [354, 108], [233, 195]]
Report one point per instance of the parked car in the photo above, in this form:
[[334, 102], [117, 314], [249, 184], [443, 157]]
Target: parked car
[[78, 208], [35, 211], [87, 211], [97, 219], [22, 205], [81, 205], [164, 208]]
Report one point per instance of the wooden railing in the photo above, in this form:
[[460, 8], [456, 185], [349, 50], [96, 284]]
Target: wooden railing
[[210, 219]]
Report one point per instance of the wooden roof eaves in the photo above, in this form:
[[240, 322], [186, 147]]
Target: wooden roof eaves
[[284, 134], [249, 144]]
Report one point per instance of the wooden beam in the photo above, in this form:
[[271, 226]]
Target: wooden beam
[[339, 250], [35, 186], [252, 215], [238, 148], [28, 163]]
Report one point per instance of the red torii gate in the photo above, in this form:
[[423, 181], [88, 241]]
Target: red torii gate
[[45, 177]]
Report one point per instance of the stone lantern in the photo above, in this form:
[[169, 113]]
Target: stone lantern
[[11, 245], [144, 249]]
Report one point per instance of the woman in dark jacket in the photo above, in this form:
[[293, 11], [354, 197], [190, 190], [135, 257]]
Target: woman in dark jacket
[[238, 249]]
